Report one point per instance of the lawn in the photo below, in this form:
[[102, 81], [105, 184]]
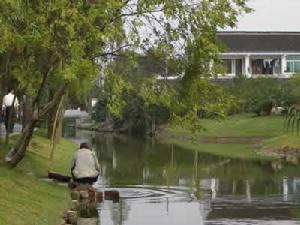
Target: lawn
[[25, 198], [290, 140], [239, 151], [242, 125], [269, 128]]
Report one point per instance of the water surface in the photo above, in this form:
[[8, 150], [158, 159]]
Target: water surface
[[169, 185]]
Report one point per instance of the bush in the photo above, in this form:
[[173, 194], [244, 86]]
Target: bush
[[260, 95], [99, 112]]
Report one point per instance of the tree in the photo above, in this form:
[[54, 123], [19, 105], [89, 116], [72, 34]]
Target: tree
[[48, 43], [62, 41], [137, 102]]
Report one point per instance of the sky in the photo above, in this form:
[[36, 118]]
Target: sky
[[271, 15]]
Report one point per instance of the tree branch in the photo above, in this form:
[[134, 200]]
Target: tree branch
[[44, 81], [56, 98], [114, 52]]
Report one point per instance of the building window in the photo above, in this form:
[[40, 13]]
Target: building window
[[293, 57], [265, 66], [227, 63], [293, 64]]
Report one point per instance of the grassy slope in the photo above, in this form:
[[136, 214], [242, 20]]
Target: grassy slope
[[239, 151], [242, 151], [270, 127], [292, 141], [241, 126], [26, 200]]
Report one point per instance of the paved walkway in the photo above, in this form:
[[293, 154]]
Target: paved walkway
[[71, 113], [17, 129]]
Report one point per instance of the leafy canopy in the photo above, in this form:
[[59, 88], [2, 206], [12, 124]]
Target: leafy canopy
[[58, 42]]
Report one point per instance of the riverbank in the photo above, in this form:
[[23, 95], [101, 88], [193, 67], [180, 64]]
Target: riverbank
[[239, 136], [27, 199]]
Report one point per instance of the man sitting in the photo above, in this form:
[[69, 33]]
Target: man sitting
[[85, 167]]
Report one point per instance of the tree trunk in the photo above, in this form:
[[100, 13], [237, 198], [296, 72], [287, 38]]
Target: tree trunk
[[153, 128], [27, 110], [18, 151], [51, 120], [51, 117], [57, 127]]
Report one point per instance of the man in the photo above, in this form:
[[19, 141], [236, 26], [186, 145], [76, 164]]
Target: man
[[85, 167], [10, 105]]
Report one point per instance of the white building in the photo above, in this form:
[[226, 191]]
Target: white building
[[253, 54]]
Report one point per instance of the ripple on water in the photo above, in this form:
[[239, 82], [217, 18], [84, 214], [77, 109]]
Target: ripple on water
[[151, 193]]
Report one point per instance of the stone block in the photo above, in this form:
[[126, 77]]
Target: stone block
[[74, 205], [84, 195], [75, 195], [99, 197], [112, 195], [88, 221], [92, 195], [72, 217]]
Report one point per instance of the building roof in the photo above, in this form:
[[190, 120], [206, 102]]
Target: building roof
[[239, 41]]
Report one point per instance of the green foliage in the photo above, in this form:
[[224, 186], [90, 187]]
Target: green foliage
[[135, 106], [55, 40], [115, 87], [60, 44], [206, 98], [51, 43], [292, 88], [261, 94], [138, 101], [196, 26], [202, 99], [68, 36], [293, 119], [100, 111]]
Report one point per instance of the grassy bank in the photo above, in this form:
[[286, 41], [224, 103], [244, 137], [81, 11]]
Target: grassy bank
[[241, 151], [242, 125], [282, 141], [269, 128], [26, 199]]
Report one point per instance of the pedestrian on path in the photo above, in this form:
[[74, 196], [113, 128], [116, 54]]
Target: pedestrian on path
[[10, 106]]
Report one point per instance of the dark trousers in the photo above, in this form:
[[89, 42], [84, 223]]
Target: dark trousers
[[9, 125], [86, 180]]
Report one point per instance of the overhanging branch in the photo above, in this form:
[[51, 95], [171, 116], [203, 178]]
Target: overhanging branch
[[56, 98]]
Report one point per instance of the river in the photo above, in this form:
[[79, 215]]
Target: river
[[168, 185]]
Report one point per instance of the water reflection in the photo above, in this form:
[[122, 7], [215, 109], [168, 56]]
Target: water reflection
[[161, 184]]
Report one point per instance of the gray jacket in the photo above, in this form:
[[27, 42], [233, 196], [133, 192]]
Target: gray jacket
[[85, 164]]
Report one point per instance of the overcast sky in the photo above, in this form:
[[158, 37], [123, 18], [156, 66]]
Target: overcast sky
[[272, 15]]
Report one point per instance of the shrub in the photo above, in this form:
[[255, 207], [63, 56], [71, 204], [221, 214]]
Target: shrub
[[260, 95]]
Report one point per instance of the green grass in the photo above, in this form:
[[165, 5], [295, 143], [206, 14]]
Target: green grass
[[39, 153], [239, 151], [269, 128], [27, 200], [292, 141], [242, 125]]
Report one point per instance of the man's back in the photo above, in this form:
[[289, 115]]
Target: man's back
[[85, 164], [9, 99]]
